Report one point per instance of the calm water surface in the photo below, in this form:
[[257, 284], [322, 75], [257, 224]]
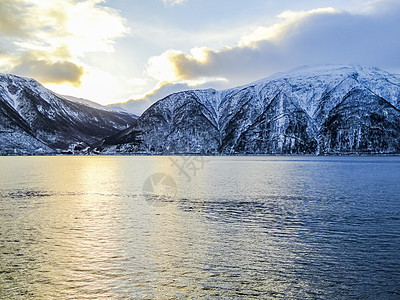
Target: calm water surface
[[218, 227]]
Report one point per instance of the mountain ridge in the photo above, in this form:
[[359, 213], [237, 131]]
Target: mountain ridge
[[225, 122], [35, 120], [311, 110]]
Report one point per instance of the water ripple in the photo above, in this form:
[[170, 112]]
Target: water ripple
[[317, 231]]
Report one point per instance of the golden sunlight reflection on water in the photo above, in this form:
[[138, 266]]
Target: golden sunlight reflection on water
[[94, 217], [89, 227]]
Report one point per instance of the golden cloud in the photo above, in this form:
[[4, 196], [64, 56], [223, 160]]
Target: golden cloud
[[46, 39], [48, 72], [175, 65]]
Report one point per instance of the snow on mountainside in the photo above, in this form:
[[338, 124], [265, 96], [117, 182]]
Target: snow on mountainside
[[86, 102], [326, 109], [34, 120]]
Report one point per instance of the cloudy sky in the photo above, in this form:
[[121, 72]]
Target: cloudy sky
[[115, 50]]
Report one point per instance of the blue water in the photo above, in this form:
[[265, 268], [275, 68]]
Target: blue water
[[211, 227]]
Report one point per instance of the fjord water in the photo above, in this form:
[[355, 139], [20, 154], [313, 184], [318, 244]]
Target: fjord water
[[229, 227]]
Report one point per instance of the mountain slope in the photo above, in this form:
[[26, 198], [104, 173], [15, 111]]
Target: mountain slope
[[328, 109], [362, 122], [41, 119], [16, 136]]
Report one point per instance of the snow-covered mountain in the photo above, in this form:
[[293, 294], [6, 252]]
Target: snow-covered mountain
[[317, 110], [34, 120]]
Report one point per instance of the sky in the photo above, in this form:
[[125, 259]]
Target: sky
[[116, 50]]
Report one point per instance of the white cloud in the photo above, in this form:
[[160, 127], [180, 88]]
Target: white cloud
[[161, 68], [173, 2], [318, 36], [286, 20]]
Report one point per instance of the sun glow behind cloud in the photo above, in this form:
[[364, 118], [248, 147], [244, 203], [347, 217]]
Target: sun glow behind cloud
[[52, 37]]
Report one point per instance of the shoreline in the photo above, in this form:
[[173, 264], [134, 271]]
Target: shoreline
[[212, 155]]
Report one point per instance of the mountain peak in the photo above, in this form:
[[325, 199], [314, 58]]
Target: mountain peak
[[307, 110], [34, 120]]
